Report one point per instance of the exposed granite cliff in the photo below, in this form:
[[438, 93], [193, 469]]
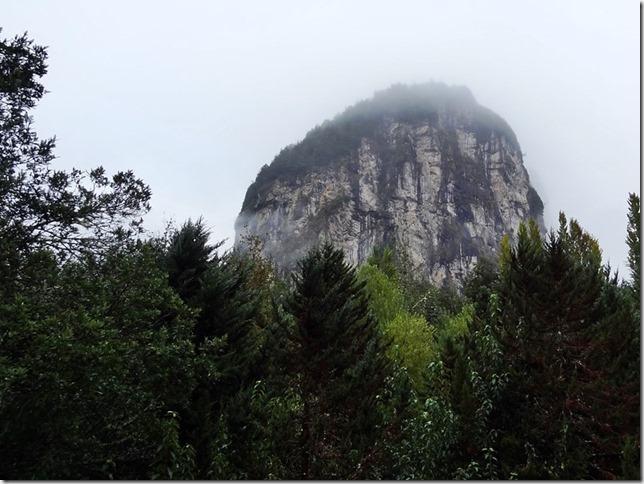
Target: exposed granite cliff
[[421, 167]]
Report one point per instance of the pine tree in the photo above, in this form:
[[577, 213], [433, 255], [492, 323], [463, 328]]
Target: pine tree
[[633, 235], [188, 257], [552, 309], [339, 367], [223, 291], [614, 366]]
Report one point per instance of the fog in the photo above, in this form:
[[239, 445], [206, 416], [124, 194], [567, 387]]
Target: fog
[[195, 96]]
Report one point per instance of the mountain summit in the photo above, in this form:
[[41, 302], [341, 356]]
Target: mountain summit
[[421, 167]]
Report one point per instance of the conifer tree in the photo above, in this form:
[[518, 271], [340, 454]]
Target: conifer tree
[[552, 314], [633, 235], [221, 289], [188, 257], [339, 366]]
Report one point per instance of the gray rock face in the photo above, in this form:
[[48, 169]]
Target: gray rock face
[[445, 186]]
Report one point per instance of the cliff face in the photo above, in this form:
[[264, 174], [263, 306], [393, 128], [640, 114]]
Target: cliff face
[[425, 169]]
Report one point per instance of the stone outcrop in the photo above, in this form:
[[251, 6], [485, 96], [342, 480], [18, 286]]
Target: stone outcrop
[[424, 168]]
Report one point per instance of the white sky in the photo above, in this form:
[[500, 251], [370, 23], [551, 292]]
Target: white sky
[[195, 96]]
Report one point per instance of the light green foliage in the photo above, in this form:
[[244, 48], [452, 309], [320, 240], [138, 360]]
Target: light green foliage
[[386, 299], [505, 251], [413, 345], [383, 258], [457, 325]]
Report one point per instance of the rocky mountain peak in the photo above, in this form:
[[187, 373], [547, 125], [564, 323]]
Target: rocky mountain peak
[[422, 167]]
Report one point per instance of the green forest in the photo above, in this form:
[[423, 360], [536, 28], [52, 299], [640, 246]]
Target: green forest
[[129, 356]]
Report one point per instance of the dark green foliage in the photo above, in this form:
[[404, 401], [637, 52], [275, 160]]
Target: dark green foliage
[[481, 283], [228, 306], [554, 307], [41, 207], [543, 343], [545, 384], [469, 380], [435, 303], [633, 235], [94, 354], [95, 346], [227, 338], [339, 369], [173, 460], [188, 258]]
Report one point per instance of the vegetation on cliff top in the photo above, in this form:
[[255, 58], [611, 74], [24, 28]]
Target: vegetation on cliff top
[[332, 141]]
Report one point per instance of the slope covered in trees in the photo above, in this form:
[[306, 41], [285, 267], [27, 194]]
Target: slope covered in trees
[[164, 358]]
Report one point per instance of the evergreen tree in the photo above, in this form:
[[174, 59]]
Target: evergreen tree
[[188, 257], [231, 293], [633, 235], [339, 369], [614, 359], [552, 295], [481, 283]]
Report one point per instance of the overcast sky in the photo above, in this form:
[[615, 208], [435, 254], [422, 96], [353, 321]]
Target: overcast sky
[[195, 96]]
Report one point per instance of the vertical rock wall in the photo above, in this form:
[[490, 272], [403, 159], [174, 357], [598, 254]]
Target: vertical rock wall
[[445, 189]]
